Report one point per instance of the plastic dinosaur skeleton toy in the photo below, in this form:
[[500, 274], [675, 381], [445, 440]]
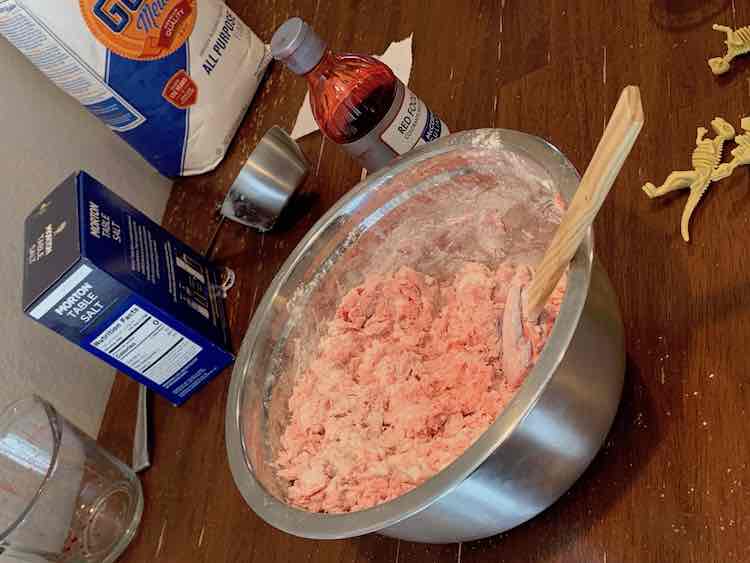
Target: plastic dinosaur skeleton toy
[[706, 169], [738, 43], [740, 154]]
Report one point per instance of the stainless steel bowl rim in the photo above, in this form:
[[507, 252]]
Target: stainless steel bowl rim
[[332, 526]]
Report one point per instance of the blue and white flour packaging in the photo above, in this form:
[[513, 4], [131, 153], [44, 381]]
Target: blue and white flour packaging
[[171, 77]]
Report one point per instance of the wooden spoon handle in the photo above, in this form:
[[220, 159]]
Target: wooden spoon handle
[[614, 147]]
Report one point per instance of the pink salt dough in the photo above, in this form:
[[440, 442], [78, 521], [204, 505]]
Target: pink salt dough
[[410, 374]]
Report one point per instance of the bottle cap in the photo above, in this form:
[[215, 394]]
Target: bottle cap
[[297, 46]]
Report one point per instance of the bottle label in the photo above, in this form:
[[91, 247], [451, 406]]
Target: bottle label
[[414, 125]]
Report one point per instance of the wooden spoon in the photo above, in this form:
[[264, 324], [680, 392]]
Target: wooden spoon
[[614, 147]]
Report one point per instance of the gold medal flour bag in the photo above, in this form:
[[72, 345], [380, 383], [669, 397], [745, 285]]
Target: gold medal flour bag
[[172, 77]]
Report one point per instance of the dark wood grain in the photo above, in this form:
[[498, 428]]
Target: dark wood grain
[[672, 483]]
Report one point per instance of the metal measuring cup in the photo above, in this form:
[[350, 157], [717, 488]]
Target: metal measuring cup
[[267, 181]]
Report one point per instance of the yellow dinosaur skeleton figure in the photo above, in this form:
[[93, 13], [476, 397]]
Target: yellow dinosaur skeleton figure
[[706, 161], [738, 43], [740, 154]]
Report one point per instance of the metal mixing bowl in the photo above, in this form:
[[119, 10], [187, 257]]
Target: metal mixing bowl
[[538, 446]]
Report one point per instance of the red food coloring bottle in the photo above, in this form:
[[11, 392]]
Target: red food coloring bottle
[[357, 101]]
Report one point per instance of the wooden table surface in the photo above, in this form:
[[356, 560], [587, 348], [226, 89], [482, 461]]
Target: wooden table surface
[[672, 483]]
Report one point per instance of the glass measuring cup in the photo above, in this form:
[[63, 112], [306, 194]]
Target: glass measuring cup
[[62, 498]]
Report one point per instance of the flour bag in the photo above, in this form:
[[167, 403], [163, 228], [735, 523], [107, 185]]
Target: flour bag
[[171, 77]]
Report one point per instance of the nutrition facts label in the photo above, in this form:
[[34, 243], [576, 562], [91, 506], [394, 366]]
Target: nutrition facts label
[[39, 44], [147, 345]]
